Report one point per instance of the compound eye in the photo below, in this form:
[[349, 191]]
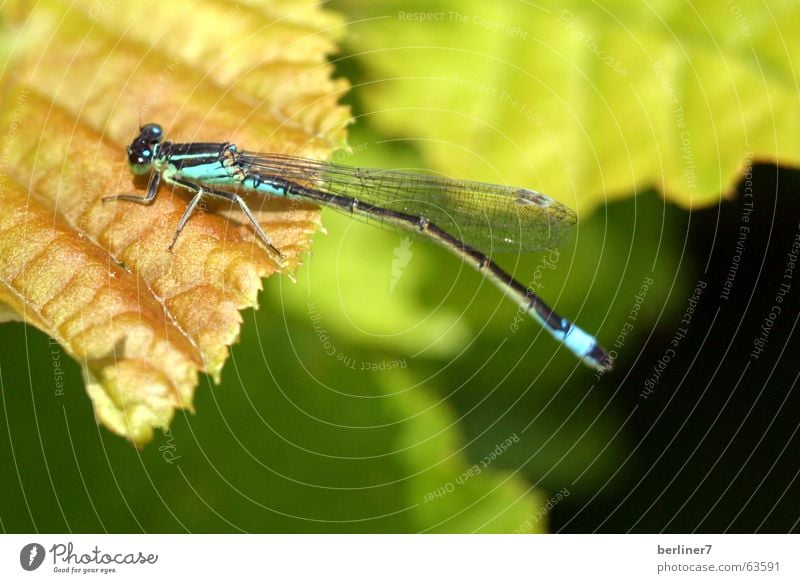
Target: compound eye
[[152, 132], [140, 157]]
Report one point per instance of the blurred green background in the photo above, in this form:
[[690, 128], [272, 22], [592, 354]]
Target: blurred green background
[[390, 389]]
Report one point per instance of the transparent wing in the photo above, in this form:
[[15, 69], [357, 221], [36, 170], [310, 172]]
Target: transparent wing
[[486, 216]]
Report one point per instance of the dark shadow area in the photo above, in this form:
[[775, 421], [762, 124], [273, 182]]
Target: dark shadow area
[[715, 424]]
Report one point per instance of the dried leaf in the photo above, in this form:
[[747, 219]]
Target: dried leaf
[[98, 277], [69, 287]]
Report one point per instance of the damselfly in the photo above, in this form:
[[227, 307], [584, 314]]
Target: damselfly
[[461, 215]]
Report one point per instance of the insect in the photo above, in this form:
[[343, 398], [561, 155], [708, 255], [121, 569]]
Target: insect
[[462, 215]]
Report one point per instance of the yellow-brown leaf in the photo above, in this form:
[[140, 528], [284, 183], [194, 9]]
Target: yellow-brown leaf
[[98, 277]]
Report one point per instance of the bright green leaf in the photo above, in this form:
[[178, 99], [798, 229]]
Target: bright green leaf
[[586, 102]]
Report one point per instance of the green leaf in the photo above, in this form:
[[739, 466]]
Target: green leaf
[[585, 102]]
